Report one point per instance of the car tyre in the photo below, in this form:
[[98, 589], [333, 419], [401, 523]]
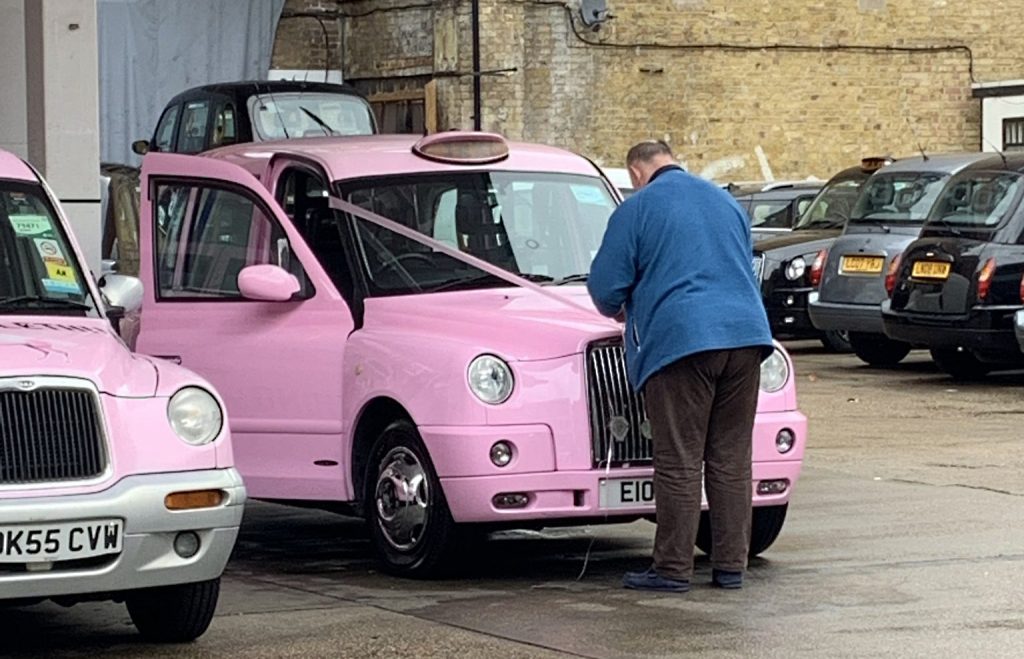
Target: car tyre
[[765, 526], [959, 363], [877, 350], [836, 340], [410, 523], [174, 614]]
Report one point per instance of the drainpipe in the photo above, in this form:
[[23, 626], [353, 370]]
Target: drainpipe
[[477, 119]]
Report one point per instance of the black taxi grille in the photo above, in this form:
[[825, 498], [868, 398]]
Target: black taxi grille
[[619, 430]]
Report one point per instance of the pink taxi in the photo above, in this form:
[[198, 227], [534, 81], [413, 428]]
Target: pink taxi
[[399, 328], [116, 472]]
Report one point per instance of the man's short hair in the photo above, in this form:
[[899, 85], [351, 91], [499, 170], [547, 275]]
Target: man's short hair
[[648, 151]]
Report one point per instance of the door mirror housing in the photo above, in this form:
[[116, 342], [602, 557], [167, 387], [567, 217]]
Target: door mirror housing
[[140, 147], [122, 294], [267, 283]]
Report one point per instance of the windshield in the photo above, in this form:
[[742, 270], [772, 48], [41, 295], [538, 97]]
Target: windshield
[[37, 266], [543, 226], [284, 115], [978, 199], [832, 207], [899, 197]]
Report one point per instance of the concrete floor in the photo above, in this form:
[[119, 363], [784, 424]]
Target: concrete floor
[[903, 539]]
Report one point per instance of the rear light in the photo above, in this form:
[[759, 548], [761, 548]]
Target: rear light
[[1022, 289], [818, 267], [892, 274], [985, 278]]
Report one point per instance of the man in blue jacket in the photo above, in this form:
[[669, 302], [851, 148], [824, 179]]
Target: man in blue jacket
[[676, 263]]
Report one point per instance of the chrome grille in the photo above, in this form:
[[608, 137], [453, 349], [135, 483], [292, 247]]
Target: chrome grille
[[618, 421], [50, 434], [758, 265]]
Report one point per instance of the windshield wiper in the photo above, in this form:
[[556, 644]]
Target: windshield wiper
[[319, 122], [570, 279], [33, 302], [483, 276], [949, 225]]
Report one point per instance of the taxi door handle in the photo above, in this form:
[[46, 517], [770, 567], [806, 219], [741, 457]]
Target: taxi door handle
[[176, 359]]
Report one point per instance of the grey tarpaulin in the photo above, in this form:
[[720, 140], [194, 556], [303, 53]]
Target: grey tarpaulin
[[149, 50]]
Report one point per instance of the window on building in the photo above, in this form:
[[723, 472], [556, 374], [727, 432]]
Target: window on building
[[1013, 134]]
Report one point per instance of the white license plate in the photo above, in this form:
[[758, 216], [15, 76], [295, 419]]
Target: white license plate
[[631, 493], [37, 543]]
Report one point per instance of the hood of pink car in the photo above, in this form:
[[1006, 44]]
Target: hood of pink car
[[518, 323], [73, 347]]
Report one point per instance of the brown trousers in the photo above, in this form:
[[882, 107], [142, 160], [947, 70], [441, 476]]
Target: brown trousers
[[702, 411]]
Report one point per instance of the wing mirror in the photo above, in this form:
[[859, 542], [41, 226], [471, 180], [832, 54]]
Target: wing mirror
[[140, 147], [267, 283], [123, 294]]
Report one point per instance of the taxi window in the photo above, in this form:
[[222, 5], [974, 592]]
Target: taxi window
[[193, 127], [982, 199], [165, 129]]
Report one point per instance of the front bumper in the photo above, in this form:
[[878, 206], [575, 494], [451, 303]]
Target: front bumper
[[987, 333], [864, 318], [147, 558], [576, 494], [1018, 328], [787, 313]]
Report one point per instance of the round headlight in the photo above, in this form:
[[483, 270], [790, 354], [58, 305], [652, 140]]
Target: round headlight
[[490, 379], [195, 416], [774, 372], [796, 268]]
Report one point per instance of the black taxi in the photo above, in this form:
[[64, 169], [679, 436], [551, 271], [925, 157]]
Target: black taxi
[[790, 266], [959, 287]]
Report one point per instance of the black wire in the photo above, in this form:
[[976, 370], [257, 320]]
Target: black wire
[[327, 47], [341, 14]]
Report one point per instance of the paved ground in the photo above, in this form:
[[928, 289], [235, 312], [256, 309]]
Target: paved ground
[[904, 539]]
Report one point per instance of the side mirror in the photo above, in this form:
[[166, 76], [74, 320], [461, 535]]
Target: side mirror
[[122, 292], [267, 283], [140, 147]]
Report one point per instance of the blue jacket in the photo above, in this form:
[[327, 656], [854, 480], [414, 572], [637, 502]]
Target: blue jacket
[[677, 254]]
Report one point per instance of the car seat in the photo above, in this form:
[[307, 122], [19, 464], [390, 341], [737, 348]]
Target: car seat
[[479, 233]]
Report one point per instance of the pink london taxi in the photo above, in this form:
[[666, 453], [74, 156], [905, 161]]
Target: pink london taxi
[[116, 472], [399, 328]]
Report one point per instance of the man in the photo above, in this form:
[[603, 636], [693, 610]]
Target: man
[[676, 258]]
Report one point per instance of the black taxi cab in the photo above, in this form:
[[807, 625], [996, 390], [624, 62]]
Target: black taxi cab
[[789, 266], [959, 288]]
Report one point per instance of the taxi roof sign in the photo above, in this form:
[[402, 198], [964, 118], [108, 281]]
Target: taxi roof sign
[[873, 163], [461, 147]]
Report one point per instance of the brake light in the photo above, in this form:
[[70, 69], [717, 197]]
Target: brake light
[[892, 274], [1022, 289], [818, 267], [985, 278]]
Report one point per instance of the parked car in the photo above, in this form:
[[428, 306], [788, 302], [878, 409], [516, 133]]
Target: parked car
[[407, 317], [116, 476], [889, 214], [211, 116], [619, 176], [774, 207], [790, 266], [958, 289]]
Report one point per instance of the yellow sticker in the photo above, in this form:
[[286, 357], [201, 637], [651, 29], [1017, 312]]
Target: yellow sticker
[[60, 272]]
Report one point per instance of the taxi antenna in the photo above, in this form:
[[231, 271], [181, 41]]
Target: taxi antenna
[[913, 134], [997, 150]]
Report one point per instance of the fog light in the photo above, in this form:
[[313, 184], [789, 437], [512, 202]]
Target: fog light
[[193, 500], [510, 500], [785, 440], [186, 544], [772, 487], [501, 454]]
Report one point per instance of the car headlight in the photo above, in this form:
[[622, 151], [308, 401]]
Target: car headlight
[[774, 372], [796, 268], [490, 379], [195, 416]]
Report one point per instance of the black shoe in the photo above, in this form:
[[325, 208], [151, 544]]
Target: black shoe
[[726, 579], [650, 580]]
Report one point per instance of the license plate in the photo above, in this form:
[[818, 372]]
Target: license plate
[[861, 265], [631, 493], [38, 543], [930, 270]]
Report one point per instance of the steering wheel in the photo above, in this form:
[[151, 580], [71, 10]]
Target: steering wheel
[[395, 261]]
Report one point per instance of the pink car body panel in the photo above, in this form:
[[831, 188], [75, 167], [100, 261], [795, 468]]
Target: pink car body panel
[[298, 377], [144, 458]]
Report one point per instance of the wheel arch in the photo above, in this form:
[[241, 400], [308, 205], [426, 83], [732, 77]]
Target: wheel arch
[[376, 415]]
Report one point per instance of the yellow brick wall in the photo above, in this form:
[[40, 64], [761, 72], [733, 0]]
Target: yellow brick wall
[[802, 112]]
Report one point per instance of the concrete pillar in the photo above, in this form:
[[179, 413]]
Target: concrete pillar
[[13, 132], [62, 76]]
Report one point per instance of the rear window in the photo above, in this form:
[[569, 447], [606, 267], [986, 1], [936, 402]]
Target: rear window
[[899, 197], [978, 199]]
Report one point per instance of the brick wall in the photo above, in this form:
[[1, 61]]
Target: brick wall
[[802, 113]]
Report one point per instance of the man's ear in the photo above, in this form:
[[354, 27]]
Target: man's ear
[[635, 176]]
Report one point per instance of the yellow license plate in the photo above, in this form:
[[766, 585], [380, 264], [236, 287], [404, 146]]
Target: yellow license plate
[[930, 270], [861, 265]]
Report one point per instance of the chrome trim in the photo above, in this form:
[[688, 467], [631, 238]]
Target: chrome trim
[[63, 382], [618, 420]]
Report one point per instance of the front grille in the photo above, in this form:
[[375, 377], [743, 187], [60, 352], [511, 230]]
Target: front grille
[[757, 263], [618, 421], [50, 434]]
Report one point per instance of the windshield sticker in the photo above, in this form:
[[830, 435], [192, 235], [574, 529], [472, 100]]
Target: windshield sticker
[[60, 276], [31, 225], [588, 194]]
